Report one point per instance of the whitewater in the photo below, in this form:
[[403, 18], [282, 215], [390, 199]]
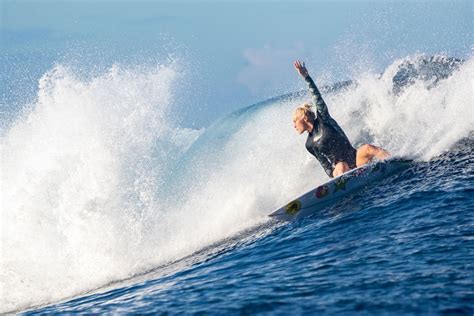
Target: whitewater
[[104, 189]]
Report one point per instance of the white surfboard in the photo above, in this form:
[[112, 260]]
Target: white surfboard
[[339, 187]]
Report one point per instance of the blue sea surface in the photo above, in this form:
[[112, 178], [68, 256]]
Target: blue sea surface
[[402, 246]]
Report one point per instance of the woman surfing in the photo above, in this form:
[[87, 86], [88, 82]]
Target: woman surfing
[[326, 139]]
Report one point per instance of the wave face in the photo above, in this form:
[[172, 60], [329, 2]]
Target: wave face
[[100, 183]]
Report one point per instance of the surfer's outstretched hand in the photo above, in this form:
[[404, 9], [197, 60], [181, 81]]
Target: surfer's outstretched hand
[[301, 68]]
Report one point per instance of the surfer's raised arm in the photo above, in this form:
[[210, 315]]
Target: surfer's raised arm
[[318, 100]]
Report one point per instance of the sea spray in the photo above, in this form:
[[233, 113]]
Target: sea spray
[[421, 121], [100, 184], [78, 174]]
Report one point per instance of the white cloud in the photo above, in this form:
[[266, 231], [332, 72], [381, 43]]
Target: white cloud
[[270, 68]]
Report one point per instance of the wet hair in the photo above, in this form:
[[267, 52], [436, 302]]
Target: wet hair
[[305, 111]]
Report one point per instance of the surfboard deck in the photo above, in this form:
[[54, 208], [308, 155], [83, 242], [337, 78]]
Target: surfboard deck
[[339, 187]]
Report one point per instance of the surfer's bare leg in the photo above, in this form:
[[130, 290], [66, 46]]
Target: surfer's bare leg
[[340, 168], [367, 152]]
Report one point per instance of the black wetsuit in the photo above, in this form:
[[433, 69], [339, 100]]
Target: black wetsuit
[[327, 141]]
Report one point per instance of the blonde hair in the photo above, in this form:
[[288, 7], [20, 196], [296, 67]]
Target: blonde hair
[[305, 111]]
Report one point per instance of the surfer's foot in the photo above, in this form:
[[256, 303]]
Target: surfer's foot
[[367, 152], [340, 168]]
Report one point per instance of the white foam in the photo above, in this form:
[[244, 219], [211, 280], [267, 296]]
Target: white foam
[[421, 122], [83, 172], [78, 174]]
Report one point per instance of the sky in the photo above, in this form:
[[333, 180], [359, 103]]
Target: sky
[[235, 53]]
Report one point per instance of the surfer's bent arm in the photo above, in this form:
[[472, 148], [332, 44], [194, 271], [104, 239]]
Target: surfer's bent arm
[[327, 166]]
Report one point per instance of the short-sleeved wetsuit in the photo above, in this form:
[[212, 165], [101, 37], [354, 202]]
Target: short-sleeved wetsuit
[[327, 141]]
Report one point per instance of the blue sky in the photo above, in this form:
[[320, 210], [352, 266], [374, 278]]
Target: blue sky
[[237, 52]]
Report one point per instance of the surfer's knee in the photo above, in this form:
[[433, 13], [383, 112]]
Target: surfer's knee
[[340, 168], [368, 152]]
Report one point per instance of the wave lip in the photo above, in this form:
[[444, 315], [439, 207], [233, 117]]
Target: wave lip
[[430, 69]]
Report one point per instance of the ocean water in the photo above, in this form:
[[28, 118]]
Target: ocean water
[[109, 205]]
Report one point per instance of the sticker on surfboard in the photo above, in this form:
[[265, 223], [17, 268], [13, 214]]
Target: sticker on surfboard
[[322, 191], [293, 207], [337, 188]]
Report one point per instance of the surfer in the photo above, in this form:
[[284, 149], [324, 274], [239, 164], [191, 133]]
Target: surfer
[[326, 139]]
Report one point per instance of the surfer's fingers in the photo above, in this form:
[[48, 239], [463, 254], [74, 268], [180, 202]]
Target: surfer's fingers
[[298, 66]]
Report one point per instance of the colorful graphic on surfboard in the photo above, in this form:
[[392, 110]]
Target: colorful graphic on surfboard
[[339, 187]]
